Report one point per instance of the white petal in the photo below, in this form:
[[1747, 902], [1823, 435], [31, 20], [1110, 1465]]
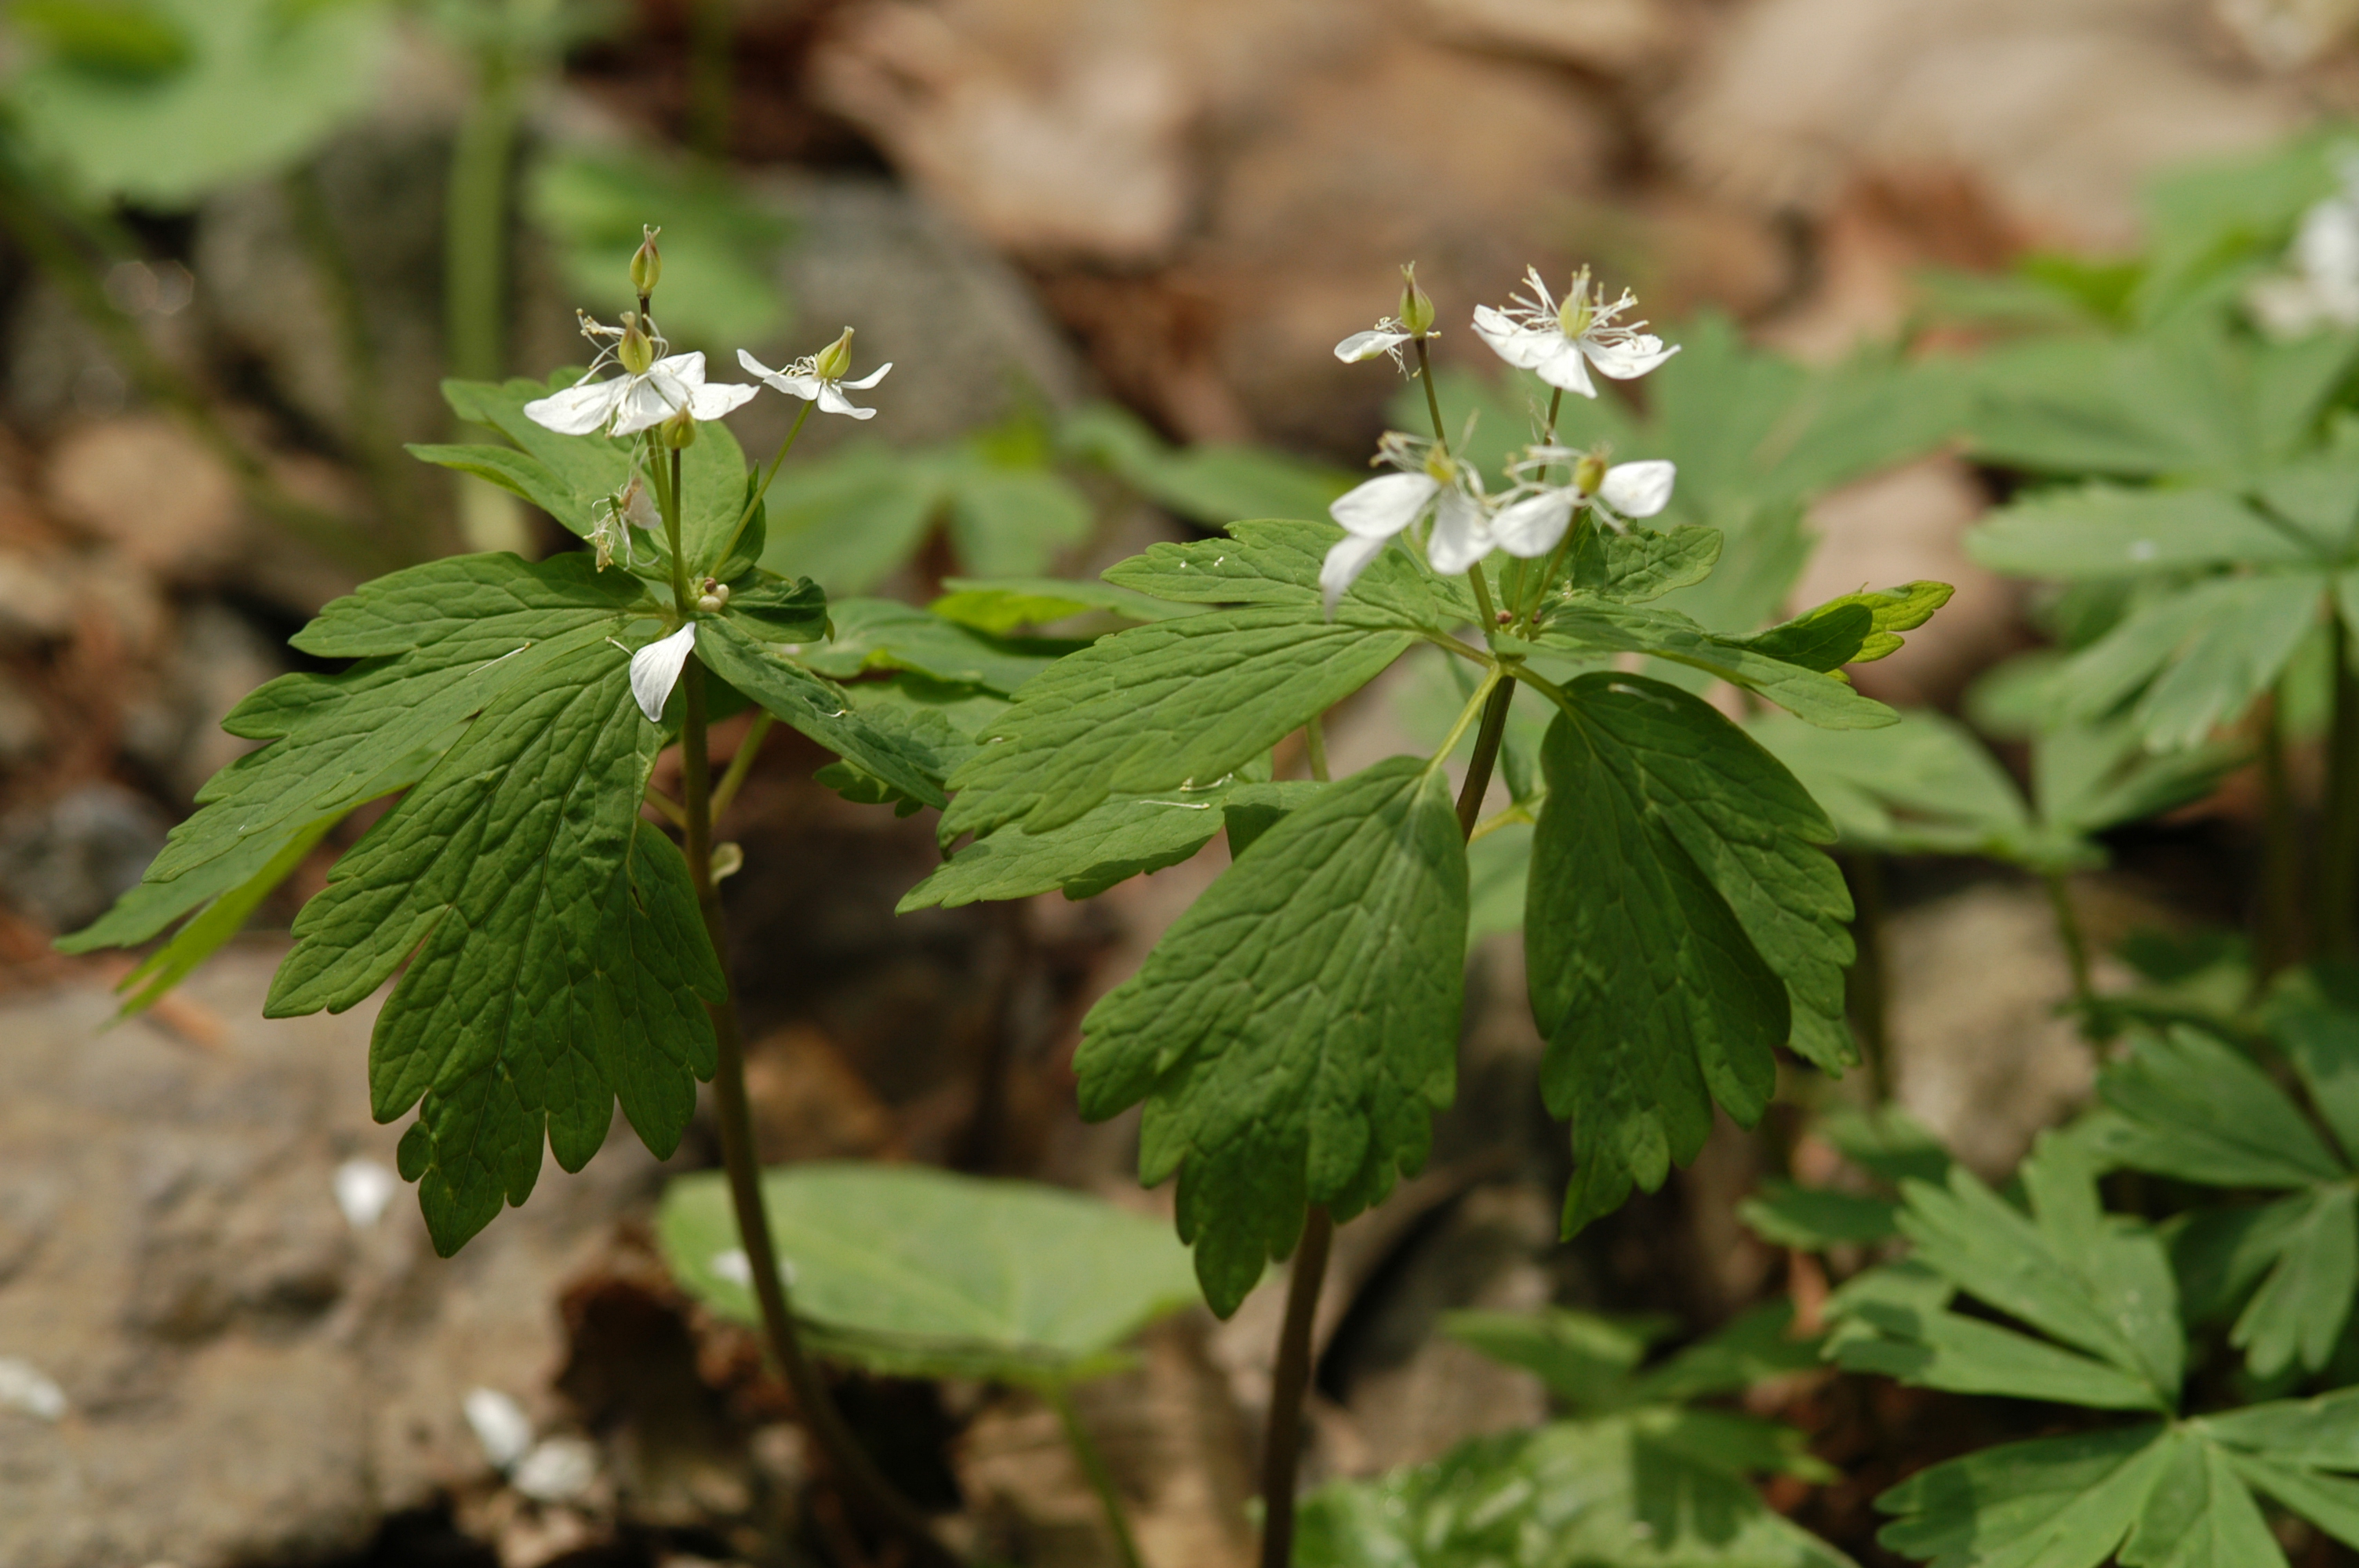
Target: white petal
[[1625, 361], [1638, 490], [1344, 563], [872, 378], [1368, 345], [500, 1425], [686, 369], [1462, 534], [803, 387], [1565, 367], [755, 367], [1533, 526], [648, 401], [577, 410], [833, 401], [654, 670], [1384, 505], [363, 1189], [1519, 346], [715, 398]]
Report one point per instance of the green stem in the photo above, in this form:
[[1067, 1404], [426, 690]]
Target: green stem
[[742, 764], [709, 84], [2338, 878], [475, 221], [1486, 755], [864, 1485], [1093, 1465], [746, 516], [1281, 1454], [2068, 931], [2281, 854], [1483, 599], [1314, 740], [1864, 989], [1432, 403]]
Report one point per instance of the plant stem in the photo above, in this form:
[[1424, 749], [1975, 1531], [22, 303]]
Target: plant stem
[[1282, 1439], [2281, 851], [1865, 991], [2068, 931], [742, 764], [746, 516], [1093, 1465], [2338, 878], [1314, 741], [1432, 403], [1486, 755], [864, 1485], [708, 82], [474, 267]]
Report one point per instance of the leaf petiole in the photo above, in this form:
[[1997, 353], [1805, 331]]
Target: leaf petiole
[[674, 813], [742, 764], [761, 489]]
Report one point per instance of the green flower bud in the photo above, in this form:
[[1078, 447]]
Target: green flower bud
[[1416, 312], [680, 430], [647, 264], [1577, 311], [636, 350], [833, 363], [1589, 473]]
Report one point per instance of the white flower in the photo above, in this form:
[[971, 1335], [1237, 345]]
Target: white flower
[[1430, 483], [819, 378], [1385, 338], [631, 507], [2321, 286], [1559, 342], [1532, 524], [654, 670], [652, 388]]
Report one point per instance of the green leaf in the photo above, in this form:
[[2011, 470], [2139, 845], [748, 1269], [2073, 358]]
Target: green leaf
[[224, 918], [1814, 1219], [1681, 926], [1650, 1489], [1013, 520], [1924, 785], [2198, 1514], [1294, 1031], [1942, 1350], [2055, 1502], [1595, 627], [884, 634], [163, 102], [1000, 607], [923, 1273], [782, 612], [1633, 568], [1158, 708], [1753, 1347], [555, 958], [1119, 839], [1276, 563], [1212, 484], [1584, 1359], [2106, 531], [818, 708], [2301, 1307], [720, 247], [2201, 656], [851, 518], [2218, 1255], [2315, 1020], [1887, 1141], [2196, 1109], [1824, 639], [2330, 1502], [1498, 866], [2320, 1434]]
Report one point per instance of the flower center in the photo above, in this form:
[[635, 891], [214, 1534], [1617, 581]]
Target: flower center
[[636, 350]]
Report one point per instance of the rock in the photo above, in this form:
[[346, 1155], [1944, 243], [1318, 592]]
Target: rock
[[2284, 35], [1979, 1053], [37, 599], [1612, 36], [2060, 108], [65, 860], [145, 486], [24, 732], [249, 1378]]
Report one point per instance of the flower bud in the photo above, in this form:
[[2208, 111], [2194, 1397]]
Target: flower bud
[[709, 602], [1589, 473], [833, 363], [1577, 311], [636, 350], [1416, 312], [647, 264], [680, 430]]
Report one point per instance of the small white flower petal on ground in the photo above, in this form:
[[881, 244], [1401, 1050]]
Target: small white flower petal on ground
[[1461, 533], [1532, 527], [500, 1426], [1345, 561], [1384, 505], [557, 1471], [364, 1188], [1638, 490], [26, 1389], [654, 670], [1368, 345]]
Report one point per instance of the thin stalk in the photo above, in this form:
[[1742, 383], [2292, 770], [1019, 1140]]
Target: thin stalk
[[2068, 933], [864, 1485], [1281, 1452], [371, 435], [1093, 1465], [742, 764], [1432, 403], [1314, 741], [746, 516], [1866, 997], [708, 82], [1486, 755], [2281, 849], [2338, 877], [673, 812], [48, 237]]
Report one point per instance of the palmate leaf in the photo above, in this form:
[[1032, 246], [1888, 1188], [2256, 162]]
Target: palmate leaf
[[1294, 1031], [1681, 925], [923, 1273], [1212, 483], [885, 634], [1122, 837], [555, 958], [1581, 625]]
